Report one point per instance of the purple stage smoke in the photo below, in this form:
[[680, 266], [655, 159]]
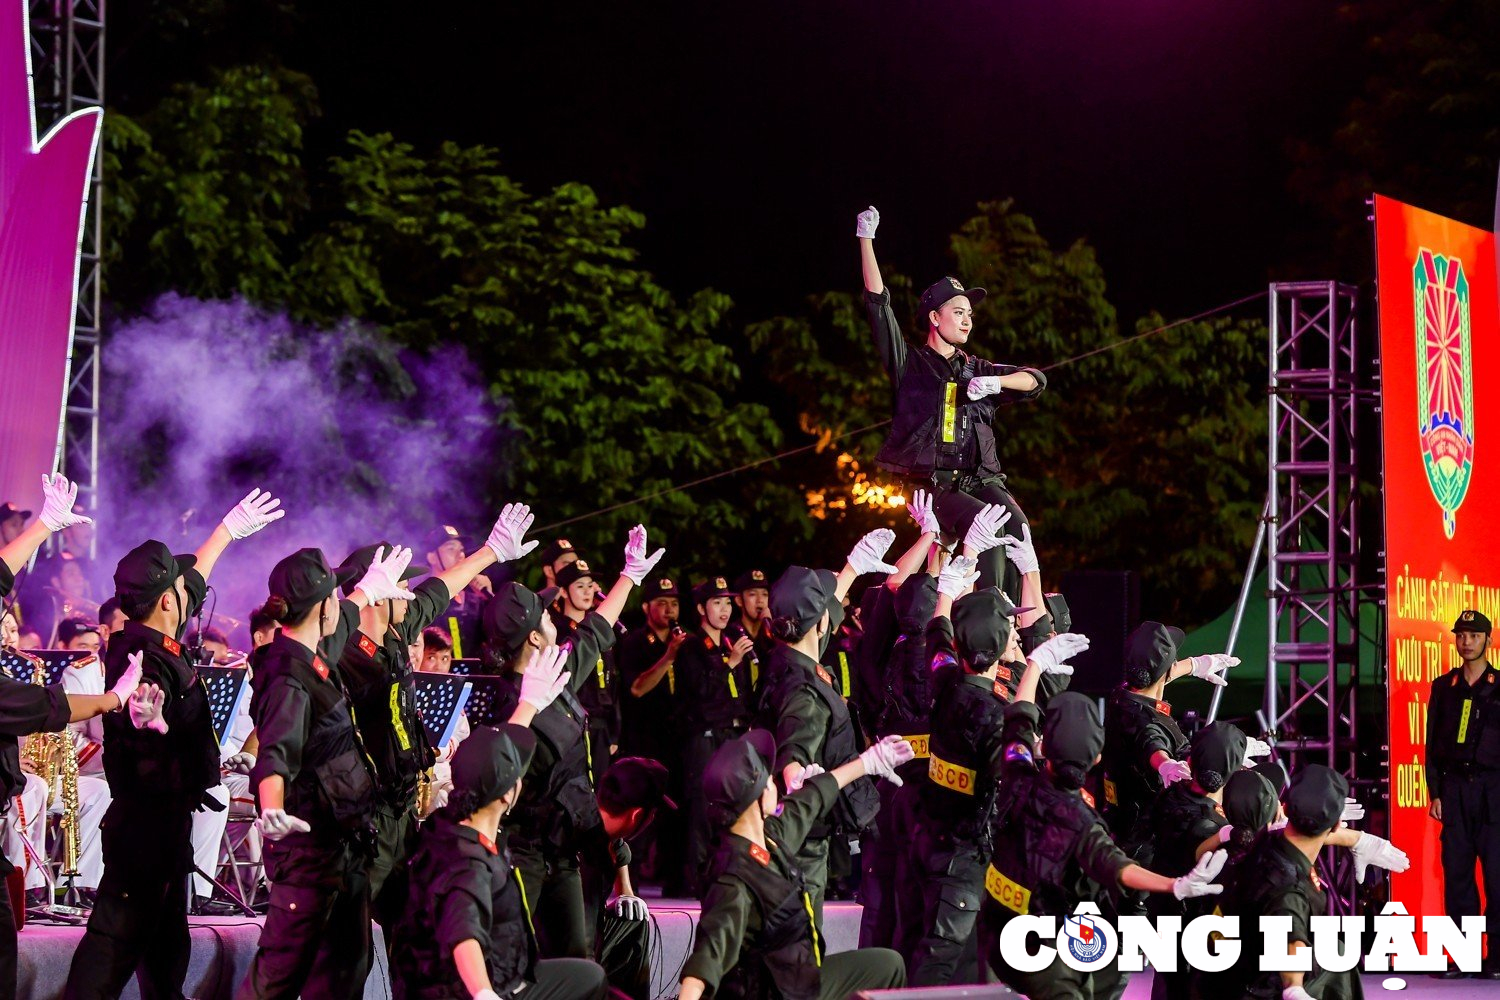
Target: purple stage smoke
[[360, 440]]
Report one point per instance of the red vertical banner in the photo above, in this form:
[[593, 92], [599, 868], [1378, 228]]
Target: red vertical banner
[[1440, 352]]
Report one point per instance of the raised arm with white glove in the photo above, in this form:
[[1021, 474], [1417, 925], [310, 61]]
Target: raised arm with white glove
[[920, 509], [868, 554], [1051, 656], [257, 510], [1255, 749], [1372, 850], [545, 678], [58, 497], [1352, 810], [507, 537], [382, 581], [867, 222], [125, 687], [956, 578], [1212, 667], [1021, 552], [986, 528], [882, 759], [1200, 881], [637, 563]]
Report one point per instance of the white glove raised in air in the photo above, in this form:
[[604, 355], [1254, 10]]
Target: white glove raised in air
[[637, 563], [1200, 881], [1352, 811], [277, 823], [1051, 656], [1212, 666], [868, 554], [58, 497], [124, 688], [545, 678], [867, 223], [802, 777], [382, 581], [981, 386], [257, 510], [1021, 552], [985, 530], [882, 759], [1255, 749], [1172, 771], [955, 579], [147, 708], [630, 908], [1372, 850], [508, 537], [921, 512]]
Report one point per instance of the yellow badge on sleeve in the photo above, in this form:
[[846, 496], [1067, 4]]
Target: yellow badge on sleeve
[[1009, 894], [919, 745]]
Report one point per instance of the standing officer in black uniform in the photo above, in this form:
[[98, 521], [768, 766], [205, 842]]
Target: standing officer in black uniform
[[465, 931], [26, 709], [1463, 777], [947, 857], [752, 601], [159, 770], [942, 436], [378, 675], [600, 690], [313, 782], [1052, 851], [757, 936], [447, 547], [717, 676]]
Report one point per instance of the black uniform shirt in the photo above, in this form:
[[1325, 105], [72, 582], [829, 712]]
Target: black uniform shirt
[[464, 623], [1182, 818], [1135, 728], [1463, 725], [802, 726], [719, 697], [649, 722], [1274, 879], [600, 691], [730, 918]]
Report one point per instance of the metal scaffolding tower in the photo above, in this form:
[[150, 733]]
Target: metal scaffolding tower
[[67, 66], [1313, 538]]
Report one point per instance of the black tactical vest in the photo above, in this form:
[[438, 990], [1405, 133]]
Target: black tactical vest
[[932, 426], [1033, 869], [1130, 783], [557, 803], [784, 959], [383, 693], [962, 717]]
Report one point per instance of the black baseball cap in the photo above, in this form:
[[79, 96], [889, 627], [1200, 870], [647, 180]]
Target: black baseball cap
[[1468, 621], [943, 289], [490, 762], [736, 775], [1071, 733], [802, 595], [1274, 772], [555, 550], [663, 586], [9, 510], [513, 614], [303, 580], [353, 569], [1218, 751], [635, 782], [1249, 800], [714, 586], [1315, 800], [1150, 652], [148, 571], [1057, 607], [982, 623], [443, 534], [752, 579], [572, 573]]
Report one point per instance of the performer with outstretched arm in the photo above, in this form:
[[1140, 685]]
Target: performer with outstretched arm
[[941, 437]]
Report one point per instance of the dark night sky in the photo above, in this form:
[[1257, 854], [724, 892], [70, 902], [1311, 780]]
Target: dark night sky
[[751, 134]]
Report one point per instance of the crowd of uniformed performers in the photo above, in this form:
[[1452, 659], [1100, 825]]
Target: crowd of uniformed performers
[[898, 732]]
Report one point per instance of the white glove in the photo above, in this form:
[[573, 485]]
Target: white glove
[[486, 995], [1200, 881], [882, 759], [146, 708], [1277, 824], [545, 678], [637, 563], [984, 533], [1021, 552], [1052, 656], [981, 386], [955, 579], [58, 496], [252, 513], [275, 824], [241, 763], [1372, 850], [1212, 666], [868, 554], [382, 581], [921, 512], [507, 537], [1352, 810], [1255, 748], [630, 908], [803, 776], [124, 688], [867, 223], [1172, 771], [1226, 834], [1296, 993]]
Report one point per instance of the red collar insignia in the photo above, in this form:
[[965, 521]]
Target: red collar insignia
[[1001, 691], [1317, 882], [1087, 796], [172, 645], [1003, 673], [488, 844], [1164, 708], [320, 666], [827, 677], [367, 645], [760, 854]]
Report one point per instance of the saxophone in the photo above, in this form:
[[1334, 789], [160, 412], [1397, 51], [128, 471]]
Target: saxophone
[[54, 759]]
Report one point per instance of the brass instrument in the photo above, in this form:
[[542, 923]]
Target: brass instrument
[[54, 759]]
